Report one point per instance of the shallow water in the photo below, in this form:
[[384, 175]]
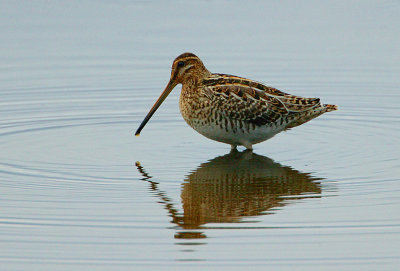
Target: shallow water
[[79, 191]]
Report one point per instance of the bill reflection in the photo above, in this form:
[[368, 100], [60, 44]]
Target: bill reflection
[[229, 188]]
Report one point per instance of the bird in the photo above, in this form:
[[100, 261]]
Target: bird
[[232, 109]]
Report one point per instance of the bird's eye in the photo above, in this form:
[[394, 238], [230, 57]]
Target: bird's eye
[[181, 64]]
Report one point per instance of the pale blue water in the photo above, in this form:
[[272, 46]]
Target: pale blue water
[[77, 78]]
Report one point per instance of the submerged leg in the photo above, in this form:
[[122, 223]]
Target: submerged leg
[[248, 145]]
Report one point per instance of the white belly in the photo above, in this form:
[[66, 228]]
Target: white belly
[[245, 134]]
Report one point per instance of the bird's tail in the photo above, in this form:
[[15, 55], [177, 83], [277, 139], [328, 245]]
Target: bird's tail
[[330, 107], [306, 116]]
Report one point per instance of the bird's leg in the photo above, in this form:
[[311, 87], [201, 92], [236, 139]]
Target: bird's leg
[[248, 145]]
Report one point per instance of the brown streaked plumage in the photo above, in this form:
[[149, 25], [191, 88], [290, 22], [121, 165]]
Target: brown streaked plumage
[[232, 109]]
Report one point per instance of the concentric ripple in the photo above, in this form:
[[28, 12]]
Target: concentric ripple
[[78, 191]]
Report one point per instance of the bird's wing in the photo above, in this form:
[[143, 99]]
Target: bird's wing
[[246, 100]]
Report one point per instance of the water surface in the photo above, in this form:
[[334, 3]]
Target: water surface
[[79, 191]]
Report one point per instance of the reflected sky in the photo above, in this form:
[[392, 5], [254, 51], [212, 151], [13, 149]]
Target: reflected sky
[[77, 77]]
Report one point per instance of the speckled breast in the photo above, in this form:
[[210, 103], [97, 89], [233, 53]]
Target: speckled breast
[[204, 116]]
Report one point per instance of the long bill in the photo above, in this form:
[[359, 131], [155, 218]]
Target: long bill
[[164, 94]]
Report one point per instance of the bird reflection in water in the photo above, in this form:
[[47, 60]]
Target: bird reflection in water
[[228, 188]]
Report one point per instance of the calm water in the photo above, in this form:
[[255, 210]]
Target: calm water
[[80, 192]]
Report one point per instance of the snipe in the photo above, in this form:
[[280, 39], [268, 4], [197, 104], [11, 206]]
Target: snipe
[[232, 109]]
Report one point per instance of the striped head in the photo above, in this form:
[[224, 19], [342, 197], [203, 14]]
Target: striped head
[[187, 66]]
